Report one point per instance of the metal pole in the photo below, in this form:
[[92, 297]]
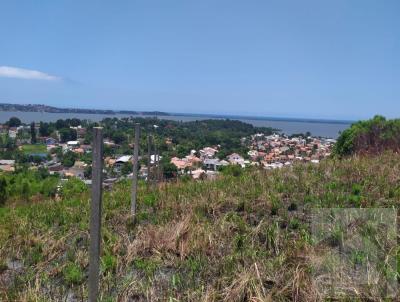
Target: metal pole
[[95, 214], [135, 171]]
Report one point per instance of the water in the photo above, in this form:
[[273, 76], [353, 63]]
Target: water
[[322, 128]]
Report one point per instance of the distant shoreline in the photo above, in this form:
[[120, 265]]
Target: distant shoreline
[[267, 118], [8, 107]]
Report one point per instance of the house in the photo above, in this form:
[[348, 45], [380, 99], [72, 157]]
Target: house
[[236, 159], [7, 168], [79, 151], [179, 163], [72, 144], [214, 163], [12, 132], [123, 159], [56, 167], [208, 152], [253, 154], [154, 157], [50, 141], [198, 173], [7, 165], [80, 132]]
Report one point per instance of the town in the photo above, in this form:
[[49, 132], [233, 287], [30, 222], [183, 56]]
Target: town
[[63, 150]]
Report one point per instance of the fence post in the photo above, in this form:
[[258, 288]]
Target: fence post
[[95, 214], [135, 171], [149, 159], [155, 168]]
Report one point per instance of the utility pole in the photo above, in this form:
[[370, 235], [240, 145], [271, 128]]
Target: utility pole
[[95, 214], [135, 171]]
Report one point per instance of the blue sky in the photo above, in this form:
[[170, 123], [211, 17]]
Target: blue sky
[[316, 59]]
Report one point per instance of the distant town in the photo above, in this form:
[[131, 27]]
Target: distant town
[[63, 148]]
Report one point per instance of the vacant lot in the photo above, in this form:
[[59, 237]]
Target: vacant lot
[[34, 149], [242, 237]]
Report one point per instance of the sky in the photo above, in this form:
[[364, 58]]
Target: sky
[[313, 59]]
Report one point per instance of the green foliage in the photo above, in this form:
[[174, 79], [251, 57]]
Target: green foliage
[[3, 190], [232, 170], [73, 274], [13, 122], [108, 262], [127, 168], [33, 133], [369, 137], [169, 170], [67, 134], [69, 158], [72, 187], [34, 149], [49, 186]]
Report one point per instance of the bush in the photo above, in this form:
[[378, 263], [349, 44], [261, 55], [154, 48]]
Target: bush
[[72, 187], [369, 137], [233, 170]]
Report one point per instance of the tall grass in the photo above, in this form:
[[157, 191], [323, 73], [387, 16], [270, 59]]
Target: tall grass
[[238, 238]]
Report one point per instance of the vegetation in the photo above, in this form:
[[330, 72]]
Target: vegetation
[[13, 122], [26, 185], [34, 149], [369, 137], [179, 138], [243, 237]]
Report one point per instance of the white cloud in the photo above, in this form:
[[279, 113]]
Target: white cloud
[[20, 73]]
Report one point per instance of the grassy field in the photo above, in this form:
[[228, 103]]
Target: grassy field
[[34, 149], [246, 237]]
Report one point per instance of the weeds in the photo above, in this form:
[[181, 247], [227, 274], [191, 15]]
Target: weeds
[[244, 237]]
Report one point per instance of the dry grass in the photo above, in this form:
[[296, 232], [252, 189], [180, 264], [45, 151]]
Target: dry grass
[[244, 238]]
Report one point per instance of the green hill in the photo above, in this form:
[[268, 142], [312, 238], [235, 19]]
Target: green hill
[[370, 137], [239, 238]]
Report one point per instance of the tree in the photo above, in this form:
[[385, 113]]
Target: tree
[[68, 159], [61, 124], [72, 187], [118, 137], [88, 171], [33, 133], [67, 134], [14, 122], [45, 129], [127, 168], [169, 170]]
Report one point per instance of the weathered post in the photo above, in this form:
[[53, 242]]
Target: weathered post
[[135, 171], [149, 140], [95, 214], [155, 176]]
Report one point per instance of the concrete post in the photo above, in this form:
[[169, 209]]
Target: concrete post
[[95, 214], [149, 141], [135, 171]]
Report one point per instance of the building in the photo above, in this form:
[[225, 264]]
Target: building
[[236, 159], [7, 165], [214, 163]]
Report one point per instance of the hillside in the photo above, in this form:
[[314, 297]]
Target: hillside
[[243, 237], [370, 137]]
